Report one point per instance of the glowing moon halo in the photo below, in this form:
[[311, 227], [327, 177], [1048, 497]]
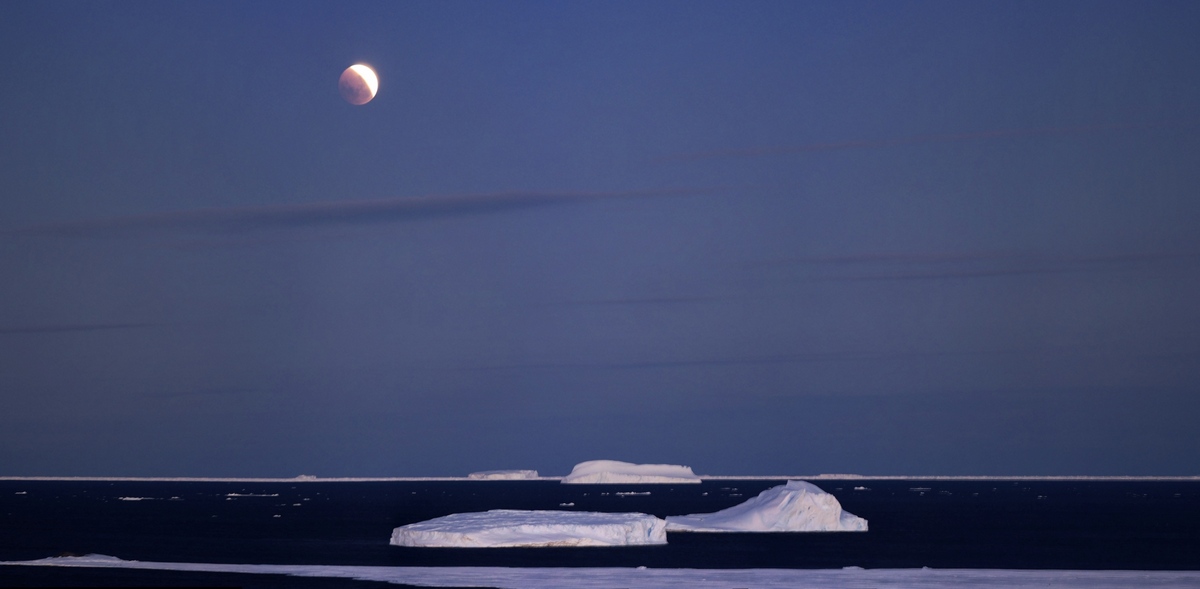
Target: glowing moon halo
[[358, 84]]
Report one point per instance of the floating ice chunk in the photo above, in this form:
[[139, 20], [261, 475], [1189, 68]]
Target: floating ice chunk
[[615, 471], [512, 528], [795, 507], [503, 475]]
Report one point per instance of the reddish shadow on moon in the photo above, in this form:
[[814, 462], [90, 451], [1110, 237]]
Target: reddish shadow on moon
[[358, 84]]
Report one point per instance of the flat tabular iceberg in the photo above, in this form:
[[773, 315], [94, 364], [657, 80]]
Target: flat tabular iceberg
[[503, 475], [501, 528], [615, 471], [795, 507]]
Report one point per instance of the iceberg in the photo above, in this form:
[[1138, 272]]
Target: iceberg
[[504, 528], [615, 471], [797, 506], [503, 475]]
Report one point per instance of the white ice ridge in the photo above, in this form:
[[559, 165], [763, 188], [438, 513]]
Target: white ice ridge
[[502, 528], [304, 478], [643, 578], [615, 471], [795, 507], [503, 475]]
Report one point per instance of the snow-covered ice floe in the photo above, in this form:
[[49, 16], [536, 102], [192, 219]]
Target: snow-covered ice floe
[[502, 528], [795, 507], [615, 471], [644, 578], [503, 475]]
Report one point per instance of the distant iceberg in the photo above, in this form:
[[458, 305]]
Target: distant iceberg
[[503, 475], [614, 471], [795, 507], [502, 528]]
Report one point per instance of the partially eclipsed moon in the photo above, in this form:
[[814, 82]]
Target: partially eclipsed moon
[[358, 84]]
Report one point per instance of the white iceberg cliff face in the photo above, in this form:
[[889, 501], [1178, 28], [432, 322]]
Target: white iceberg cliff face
[[503, 528], [615, 471], [795, 507], [503, 475]]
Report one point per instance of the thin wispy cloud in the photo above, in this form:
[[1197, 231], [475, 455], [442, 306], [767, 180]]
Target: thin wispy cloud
[[936, 266], [765, 151], [685, 363], [328, 213], [69, 328], [645, 301], [821, 358], [209, 392], [899, 266]]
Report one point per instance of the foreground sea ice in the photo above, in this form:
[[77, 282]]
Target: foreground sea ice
[[615, 471], [795, 507], [503, 528], [503, 475]]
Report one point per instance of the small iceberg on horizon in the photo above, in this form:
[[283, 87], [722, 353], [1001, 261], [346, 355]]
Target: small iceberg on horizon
[[616, 472], [510, 528], [798, 506], [503, 475]]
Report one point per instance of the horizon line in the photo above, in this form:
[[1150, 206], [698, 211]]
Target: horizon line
[[827, 477]]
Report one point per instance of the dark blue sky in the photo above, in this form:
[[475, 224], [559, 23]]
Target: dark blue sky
[[750, 237]]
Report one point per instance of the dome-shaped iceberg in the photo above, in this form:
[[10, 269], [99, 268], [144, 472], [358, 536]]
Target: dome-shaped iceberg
[[797, 506]]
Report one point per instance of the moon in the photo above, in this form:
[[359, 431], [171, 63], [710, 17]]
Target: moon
[[358, 84]]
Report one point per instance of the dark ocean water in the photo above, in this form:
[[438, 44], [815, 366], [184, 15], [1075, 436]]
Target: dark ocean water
[[940, 524]]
